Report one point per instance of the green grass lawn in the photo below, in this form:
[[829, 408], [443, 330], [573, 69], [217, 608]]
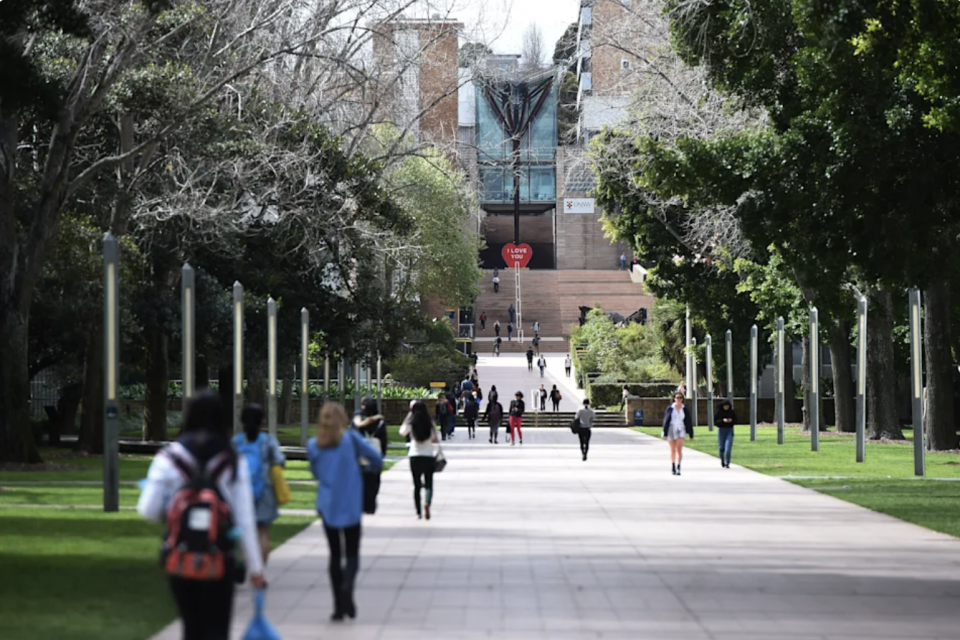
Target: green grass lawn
[[884, 482], [290, 436], [86, 575]]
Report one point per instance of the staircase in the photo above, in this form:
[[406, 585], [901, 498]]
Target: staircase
[[554, 298], [560, 419]]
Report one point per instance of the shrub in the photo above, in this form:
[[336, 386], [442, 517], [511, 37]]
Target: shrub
[[605, 394]]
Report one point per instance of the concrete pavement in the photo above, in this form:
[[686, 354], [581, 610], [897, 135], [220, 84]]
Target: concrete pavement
[[529, 542], [510, 374]]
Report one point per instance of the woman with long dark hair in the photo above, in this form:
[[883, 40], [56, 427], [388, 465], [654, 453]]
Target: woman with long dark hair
[[202, 455], [337, 456], [677, 425], [423, 453]]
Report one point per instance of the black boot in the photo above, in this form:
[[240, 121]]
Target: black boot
[[349, 579], [673, 467]]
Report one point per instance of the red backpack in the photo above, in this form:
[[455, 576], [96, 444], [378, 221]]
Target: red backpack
[[198, 544]]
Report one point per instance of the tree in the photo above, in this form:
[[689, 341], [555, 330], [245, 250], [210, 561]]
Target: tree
[[472, 53], [532, 50], [567, 49]]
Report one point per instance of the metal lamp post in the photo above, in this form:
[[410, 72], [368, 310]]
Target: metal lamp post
[[916, 382], [730, 367], [379, 383], [689, 344], [814, 351], [187, 292], [781, 382], [304, 374], [754, 338], [237, 355], [326, 379], [272, 366], [111, 373], [709, 382], [693, 388], [862, 379]]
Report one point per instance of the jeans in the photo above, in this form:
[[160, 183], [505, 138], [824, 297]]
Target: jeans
[[205, 607], [516, 428], [585, 441], [725, 443]]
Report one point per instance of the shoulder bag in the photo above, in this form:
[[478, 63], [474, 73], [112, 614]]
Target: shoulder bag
[[439, 461]]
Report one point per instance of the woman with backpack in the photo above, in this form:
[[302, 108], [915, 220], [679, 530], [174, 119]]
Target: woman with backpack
[[471, 411], [201, 472], [338, 457], [261, 451], [423, 453]]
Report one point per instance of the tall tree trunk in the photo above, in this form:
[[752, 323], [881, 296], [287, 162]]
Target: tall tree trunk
[[805, 382], [844, 402], [791, 413], [158, 383], [16, 437], [68, 406], [941, 429], [882, 418], [202, 372], [286, 399], [225, 390], [91, 424]]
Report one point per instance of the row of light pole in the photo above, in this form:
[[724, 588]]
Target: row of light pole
[[111, 358], [916, 378]]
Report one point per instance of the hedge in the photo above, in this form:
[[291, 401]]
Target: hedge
[[606, 394]]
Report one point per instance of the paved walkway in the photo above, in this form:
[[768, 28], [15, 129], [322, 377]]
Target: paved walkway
[[510, 374], [532, 543]]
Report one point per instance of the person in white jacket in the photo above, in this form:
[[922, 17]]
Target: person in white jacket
[[205, 605]]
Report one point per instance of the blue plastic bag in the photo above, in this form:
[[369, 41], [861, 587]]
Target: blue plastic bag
[[260, 628]]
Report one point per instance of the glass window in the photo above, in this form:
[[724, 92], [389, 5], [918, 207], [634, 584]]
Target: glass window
[[491, 184], [543, 187], [490, 136]]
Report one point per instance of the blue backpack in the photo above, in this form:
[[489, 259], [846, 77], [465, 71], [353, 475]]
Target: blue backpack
[[254, 454]]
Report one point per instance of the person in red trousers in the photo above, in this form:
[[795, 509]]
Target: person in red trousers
[[517, 407]]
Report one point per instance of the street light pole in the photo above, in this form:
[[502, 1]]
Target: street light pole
[[754, 338], [781, 382], [237, 355], [688, 343], [304, 374], [814, 351], [272, 366], [730, 367], [709, 382], [111, 373], [916, 381], [187, 291], [693, 368], [862, 379]]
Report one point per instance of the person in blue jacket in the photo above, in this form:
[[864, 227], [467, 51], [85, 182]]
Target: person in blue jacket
[[338, 456], [677, 425]]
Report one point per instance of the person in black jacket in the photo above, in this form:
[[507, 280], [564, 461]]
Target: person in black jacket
[[724, 419], [517, 407], [494, 416], [677, 425], [370, 423], [471, 410]]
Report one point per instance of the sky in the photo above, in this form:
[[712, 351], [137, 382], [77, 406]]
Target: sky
[[501, 23]]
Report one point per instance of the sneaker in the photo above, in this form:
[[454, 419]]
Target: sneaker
[[426, 510]]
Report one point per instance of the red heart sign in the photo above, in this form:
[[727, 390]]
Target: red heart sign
[[514, 254]]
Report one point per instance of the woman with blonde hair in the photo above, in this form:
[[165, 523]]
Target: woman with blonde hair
[[337, 457]]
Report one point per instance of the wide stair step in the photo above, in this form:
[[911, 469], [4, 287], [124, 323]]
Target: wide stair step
[[560, 419]]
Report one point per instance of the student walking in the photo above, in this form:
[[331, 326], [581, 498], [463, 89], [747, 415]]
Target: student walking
[[496, 346], [494, 416], [555, 398], [478, 394], [496, 328], [496, 283], [483, 321], [510, 331], [471, 410], [542, 363], [517, 408], [567, 365], [494, 395], [261, 451], [536, 344], [529, 359], [623, 262], [335, 456], [371, 425], [585, 416], [542, 393], [677, 425], [624, 395], [536, 326], [442, 413], [725, 419], [423, 452], [202, 457], [512, 312], [451, 419]]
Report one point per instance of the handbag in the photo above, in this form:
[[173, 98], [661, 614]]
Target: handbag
[[575, 426], [260, 628], [439, 461], [280, 487], [371, 481]]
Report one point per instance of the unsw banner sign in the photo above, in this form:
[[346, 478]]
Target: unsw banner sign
[[579, 205]]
